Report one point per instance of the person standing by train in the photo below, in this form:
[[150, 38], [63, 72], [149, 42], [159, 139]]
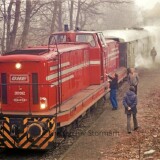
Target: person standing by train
[[153, 54], [130, 105], [133, 79], [113, 90]]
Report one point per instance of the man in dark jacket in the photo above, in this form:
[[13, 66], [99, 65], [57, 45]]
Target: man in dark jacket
[[113, 90], [130, 103]]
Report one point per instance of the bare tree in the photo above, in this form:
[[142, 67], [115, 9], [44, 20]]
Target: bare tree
[[32, 10], [71, 9], [53, 21], [60, 28], [9, 24], [30, 24], [4, 16], [78, 13], [26, 23], [15, 26], [7, 17]]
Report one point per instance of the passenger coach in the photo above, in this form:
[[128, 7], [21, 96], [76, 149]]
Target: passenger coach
[[133, 43]]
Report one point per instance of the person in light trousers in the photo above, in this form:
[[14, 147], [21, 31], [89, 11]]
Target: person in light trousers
[[133, 79]]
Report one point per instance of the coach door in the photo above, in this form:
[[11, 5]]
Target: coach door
[[123, 54], [131, 54]]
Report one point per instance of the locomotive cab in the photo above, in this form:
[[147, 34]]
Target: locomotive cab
[[104, 54], [97, 54]]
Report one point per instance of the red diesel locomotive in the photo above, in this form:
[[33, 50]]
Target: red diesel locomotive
[[47, 87]]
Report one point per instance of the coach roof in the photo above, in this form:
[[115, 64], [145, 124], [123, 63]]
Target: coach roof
[[126, 35]]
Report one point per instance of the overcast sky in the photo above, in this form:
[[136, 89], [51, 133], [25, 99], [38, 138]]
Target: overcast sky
[[146, 4]]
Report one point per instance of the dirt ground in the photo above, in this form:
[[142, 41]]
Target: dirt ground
[[144, 143], [107, 138]]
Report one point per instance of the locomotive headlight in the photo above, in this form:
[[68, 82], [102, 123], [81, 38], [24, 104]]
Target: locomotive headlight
[[18, 65], [43, 103]]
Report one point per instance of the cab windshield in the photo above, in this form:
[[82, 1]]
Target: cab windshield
[[88, 38]]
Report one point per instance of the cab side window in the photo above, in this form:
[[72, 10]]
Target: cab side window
[[58, 38], [102, 40]]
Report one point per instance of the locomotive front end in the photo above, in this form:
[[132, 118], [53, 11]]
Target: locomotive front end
[[25, 118]]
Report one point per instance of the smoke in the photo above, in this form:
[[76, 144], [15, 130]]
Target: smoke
[[155, 36], [143, 62], [146, 61]]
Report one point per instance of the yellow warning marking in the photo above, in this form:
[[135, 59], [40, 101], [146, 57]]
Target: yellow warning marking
[[8, 144], [46, 144], [27, 145], [25, 121], [44, 119], [8, 136], [40, 141], [25, 129], [52, 138], [44, 137], [35, 120], [23, 140], [52, 120], [54, 126], [7, 127], [7, 119]]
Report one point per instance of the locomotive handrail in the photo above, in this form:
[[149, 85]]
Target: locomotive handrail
[[26, 84], [58, 70]]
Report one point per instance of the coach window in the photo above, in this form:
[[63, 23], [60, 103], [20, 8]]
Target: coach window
[[88, 38]]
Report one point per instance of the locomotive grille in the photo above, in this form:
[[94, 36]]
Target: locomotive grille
[[35, 88], [4, 88]]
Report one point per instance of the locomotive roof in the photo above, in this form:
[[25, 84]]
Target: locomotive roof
[[125, 35], [110, 41], [40, 53], [28, 51], [73, 31]]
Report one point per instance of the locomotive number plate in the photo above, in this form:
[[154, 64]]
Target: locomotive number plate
[[19, 78]]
